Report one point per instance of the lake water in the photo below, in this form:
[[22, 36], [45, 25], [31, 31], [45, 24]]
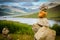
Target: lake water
[[29, 21]]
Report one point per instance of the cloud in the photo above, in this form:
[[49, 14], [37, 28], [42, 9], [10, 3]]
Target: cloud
[[54, 0], [27, 0], [27, 5], [19, 0]]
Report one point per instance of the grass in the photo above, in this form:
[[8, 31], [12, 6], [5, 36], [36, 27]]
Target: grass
[[24, 31], [23, 37], [16, 27], [18, 36], [57, 37], [30, 15]]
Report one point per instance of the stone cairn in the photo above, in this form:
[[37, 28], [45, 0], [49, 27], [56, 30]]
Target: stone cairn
[[43, 33]]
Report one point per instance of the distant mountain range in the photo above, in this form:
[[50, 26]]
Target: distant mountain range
[[53, 13]]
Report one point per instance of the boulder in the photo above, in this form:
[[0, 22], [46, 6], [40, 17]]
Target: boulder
[[45, 33], [35, 27]]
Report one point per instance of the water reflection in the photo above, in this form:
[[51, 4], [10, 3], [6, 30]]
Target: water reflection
[[29, 21]]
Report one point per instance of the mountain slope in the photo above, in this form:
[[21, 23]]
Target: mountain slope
[[53, 13], [33, 15]]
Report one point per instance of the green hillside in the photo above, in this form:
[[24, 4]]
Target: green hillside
[[16, 27], [53, 13], [17, 30], [34, 15]]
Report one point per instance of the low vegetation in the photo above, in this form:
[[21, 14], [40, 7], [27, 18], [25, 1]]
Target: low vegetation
[[16, 27], [21, 31], [56, 27]]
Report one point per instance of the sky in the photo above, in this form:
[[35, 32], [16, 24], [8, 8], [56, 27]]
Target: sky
[[26, 3], [21, 0], [26, 0]]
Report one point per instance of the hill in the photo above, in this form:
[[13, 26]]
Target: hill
[[34, 15], [16, 27], [17, 30], [53, 13]]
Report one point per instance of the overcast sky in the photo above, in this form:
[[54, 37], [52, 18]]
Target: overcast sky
[[25, 3], [27, 0], [55, 0], [21, 0], [18, 0]]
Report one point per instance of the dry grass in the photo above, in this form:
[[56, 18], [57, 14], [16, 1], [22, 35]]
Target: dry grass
[[19, 36], [22, 37]]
